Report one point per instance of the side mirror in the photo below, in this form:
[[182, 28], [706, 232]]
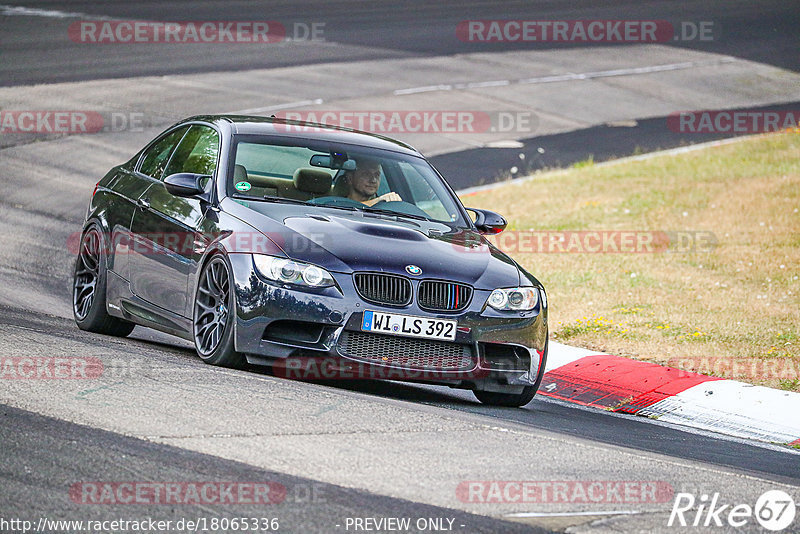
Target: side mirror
[[185, 184], [488, 222]]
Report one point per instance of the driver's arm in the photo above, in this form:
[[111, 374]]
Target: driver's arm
[[388, 197]]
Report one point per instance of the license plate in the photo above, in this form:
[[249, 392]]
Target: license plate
[[409, 325]]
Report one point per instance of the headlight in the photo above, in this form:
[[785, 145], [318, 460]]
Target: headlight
[[514, 298], [291, 272]]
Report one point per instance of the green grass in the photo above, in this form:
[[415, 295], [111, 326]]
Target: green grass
[[738, 301]]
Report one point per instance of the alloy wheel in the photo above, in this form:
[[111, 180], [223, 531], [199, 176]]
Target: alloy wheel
[[211, 313], [87, 273]]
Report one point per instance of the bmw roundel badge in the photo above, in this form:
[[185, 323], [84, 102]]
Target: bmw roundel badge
[[413, 269]]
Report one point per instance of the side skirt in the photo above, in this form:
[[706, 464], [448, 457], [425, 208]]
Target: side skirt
[[122, 303]]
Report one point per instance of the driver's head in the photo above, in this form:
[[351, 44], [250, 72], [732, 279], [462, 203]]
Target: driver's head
[[365, 179]]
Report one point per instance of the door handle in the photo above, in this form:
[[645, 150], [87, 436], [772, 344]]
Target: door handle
[[143, 203]]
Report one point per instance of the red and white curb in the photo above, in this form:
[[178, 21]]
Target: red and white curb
[[629, 386]]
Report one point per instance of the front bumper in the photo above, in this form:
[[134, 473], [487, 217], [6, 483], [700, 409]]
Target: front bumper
[[316, 334]]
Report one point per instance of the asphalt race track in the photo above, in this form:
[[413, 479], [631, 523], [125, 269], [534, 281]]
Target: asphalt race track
[[34, 50], [346, 450]]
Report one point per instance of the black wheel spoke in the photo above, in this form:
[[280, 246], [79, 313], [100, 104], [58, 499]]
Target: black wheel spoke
[[214, 282], [88, 284], [205, 313], [213, 335], [87, 273], [206, 307], [89, 265], [203, 328], [207, 335], [205, 291], [84, 306], [210, 310], [85, 291]]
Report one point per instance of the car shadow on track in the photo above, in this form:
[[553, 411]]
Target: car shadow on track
[[383, 388], [396, 390], [542, 414]]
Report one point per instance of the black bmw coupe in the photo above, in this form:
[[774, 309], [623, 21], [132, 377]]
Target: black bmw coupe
[[320, 251]]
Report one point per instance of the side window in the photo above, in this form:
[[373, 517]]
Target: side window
[[420, 189], [425, 196], [157, 155], [383, 186], [196, 153]]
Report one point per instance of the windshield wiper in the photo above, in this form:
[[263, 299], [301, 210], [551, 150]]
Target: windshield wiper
[[335, 207], [394, 213], [270, 198]]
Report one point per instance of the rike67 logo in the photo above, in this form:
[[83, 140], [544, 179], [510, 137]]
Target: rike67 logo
[[774, 511]]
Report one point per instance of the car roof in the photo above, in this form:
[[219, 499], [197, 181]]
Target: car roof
[[254, 125]]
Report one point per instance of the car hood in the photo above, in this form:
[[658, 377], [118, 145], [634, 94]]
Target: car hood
[[342, 241]]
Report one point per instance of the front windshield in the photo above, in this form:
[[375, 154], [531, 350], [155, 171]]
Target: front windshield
[[341, 176]]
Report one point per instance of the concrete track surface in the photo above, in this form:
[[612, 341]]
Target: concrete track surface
[[373, 449]]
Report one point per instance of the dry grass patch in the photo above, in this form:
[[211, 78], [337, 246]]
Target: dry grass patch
[[732, 310]]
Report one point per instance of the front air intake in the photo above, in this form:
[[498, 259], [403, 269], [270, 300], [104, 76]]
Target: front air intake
[[437, 295], [381, 288]]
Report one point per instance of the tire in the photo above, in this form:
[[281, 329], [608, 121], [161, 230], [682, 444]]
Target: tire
[[212, 323], [89, 288], [506, 399], [514, 400]]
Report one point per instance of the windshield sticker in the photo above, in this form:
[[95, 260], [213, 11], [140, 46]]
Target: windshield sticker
[[242, 186]]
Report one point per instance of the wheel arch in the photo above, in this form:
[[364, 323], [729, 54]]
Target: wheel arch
[[96, 219]]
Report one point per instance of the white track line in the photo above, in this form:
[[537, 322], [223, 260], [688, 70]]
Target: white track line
[[525, 81], [568, 77], [734, 408], [19, 11], [576, 514], [276, 107], [559, 355]]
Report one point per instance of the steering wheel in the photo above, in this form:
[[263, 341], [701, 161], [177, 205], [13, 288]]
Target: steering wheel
[[401, 207]]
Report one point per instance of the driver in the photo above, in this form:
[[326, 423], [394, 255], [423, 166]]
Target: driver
[[362, 183]]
